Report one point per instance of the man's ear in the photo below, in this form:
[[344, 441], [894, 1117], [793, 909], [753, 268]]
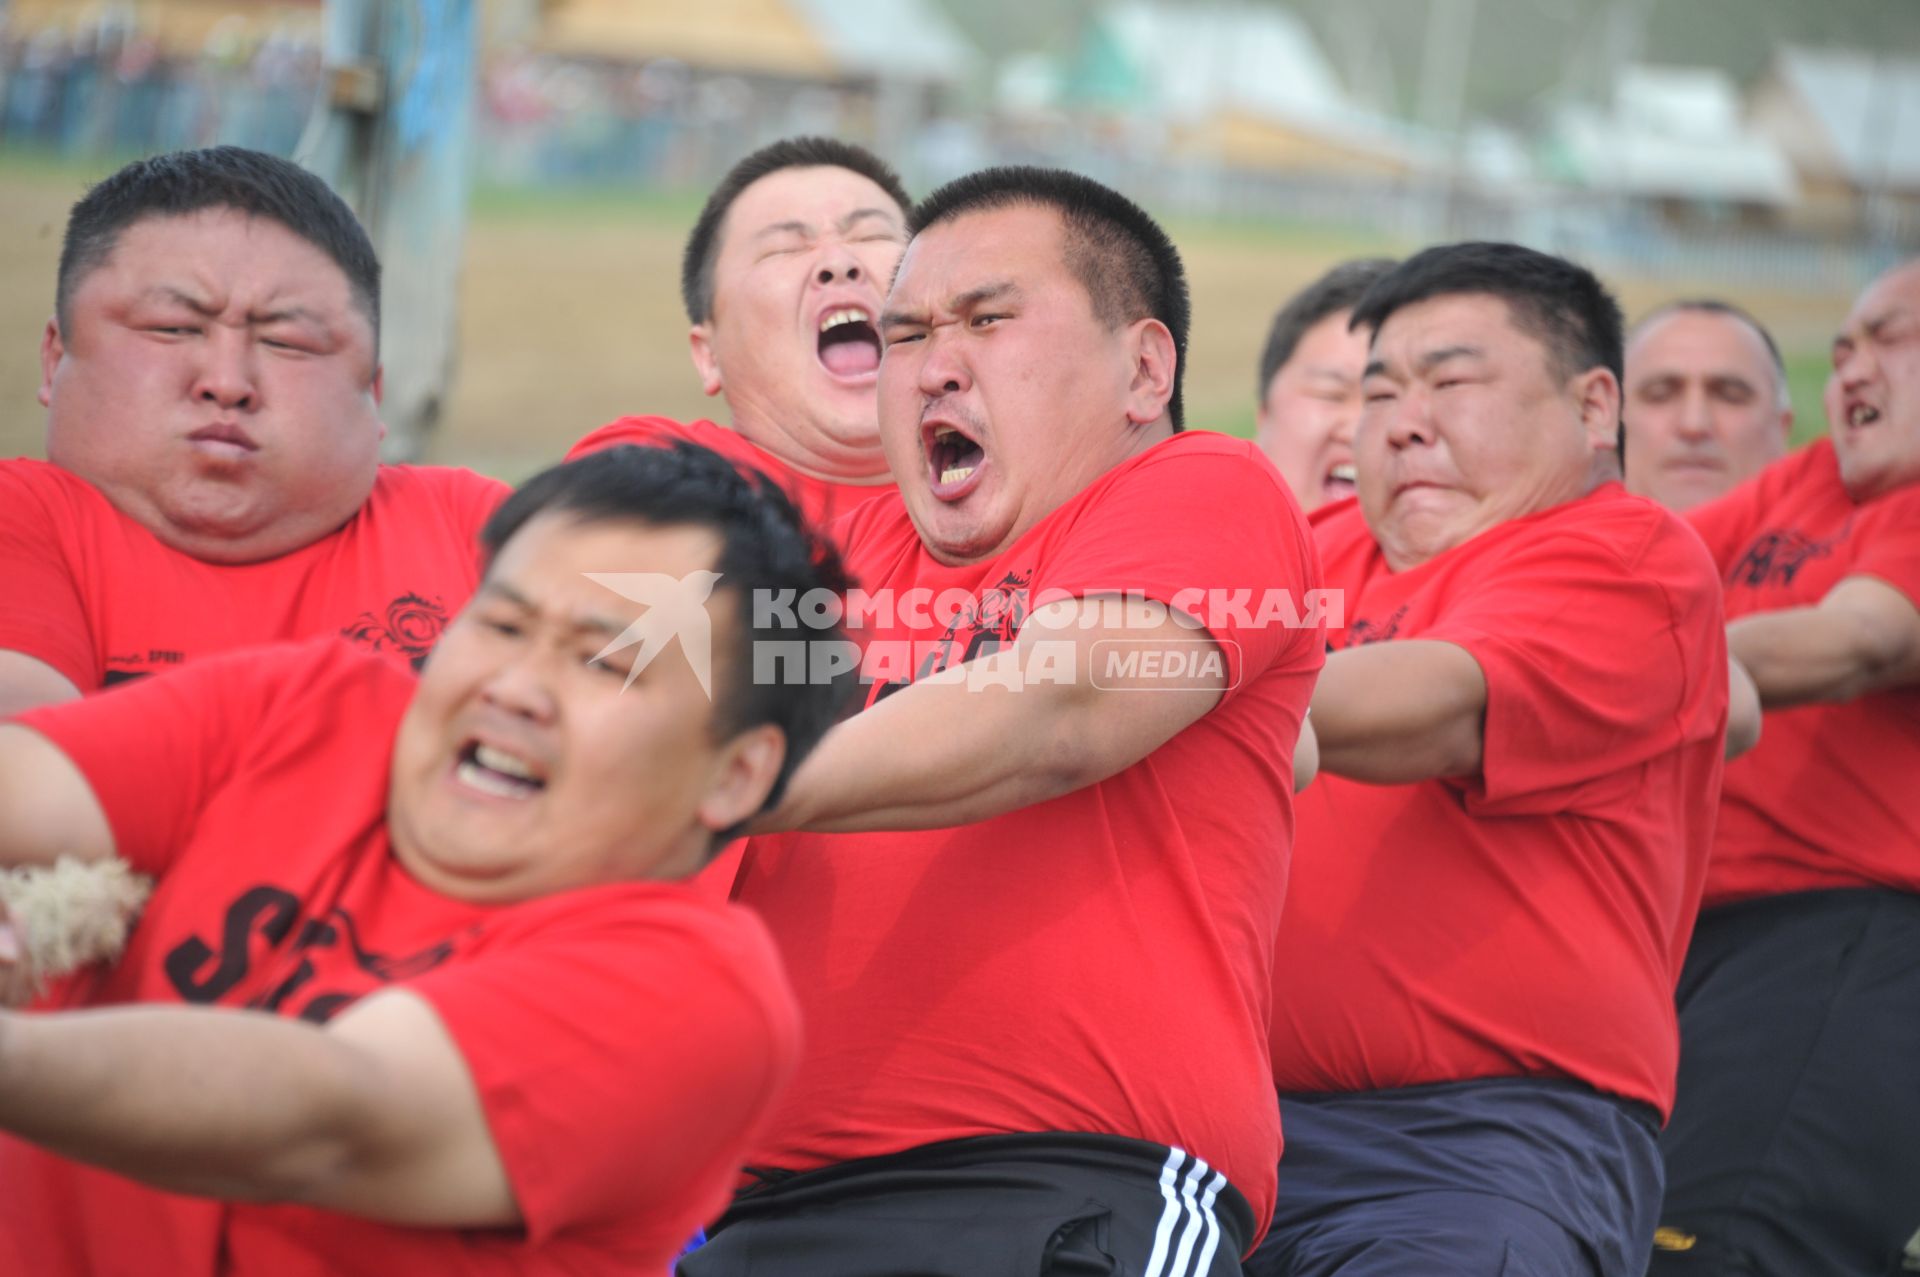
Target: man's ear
[[1597, 391], [52, 351], [705, 361], [743, 776], [379, 382], [1150, 347]]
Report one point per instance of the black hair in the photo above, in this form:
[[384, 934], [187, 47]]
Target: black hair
[[1128, 266], [1340, 289], [251, 182], [703, 245], [1562, 305], [1715, 306], [766, 550]]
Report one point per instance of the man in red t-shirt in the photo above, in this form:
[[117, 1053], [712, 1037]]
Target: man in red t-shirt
[[782, 279], [211, 377], [1522, 718], [418, 988], [1795, 1141], [1029, 897]]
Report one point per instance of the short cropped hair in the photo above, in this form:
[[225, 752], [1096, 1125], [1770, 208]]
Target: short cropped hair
[[1340, 289], [1562, 305], [1128, 266], [250, 182], [1716, 306], [703, 245], [765, 546]]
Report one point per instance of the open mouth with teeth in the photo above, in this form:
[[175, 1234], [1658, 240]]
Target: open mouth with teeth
[[1340, 482], [952, 458], [849, 345], [1862, 415], [497, 773]]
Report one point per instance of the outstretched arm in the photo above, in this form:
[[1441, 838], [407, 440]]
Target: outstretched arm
[[1043, 718], [1400, 712], [1863, 637], [374, 1114]]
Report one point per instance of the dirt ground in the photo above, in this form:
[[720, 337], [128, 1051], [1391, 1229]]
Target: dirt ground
[[570, 316]]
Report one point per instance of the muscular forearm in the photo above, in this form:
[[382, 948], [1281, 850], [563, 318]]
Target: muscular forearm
[[942, 753], [1802, 655], [1003, 732], [215, 1102], [1396, 713]]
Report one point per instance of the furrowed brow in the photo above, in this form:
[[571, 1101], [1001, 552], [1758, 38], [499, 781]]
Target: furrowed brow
[[179, 297], [999, 290]]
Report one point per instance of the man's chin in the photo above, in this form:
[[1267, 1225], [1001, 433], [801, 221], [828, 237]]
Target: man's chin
[[953, 533]]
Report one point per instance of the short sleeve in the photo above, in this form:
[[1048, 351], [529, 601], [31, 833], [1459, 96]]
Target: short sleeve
[[475, 497], [42, 610], [1598, 658], [624, 1053], [1887, 543], [157, 749], [1212, 532]]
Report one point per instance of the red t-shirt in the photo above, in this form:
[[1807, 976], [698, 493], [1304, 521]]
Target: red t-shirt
[[1827, 798], [101, 599], [1528, 921], [1098, 962], [821, 501], [626, 1040]]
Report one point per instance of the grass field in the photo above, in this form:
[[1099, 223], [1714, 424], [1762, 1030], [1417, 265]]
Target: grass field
[[569, 314]]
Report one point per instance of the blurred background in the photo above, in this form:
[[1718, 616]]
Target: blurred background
[[530, 168]]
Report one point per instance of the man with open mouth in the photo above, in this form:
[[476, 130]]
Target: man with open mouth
[[211, 375], [1030, 902], [782, 280], [420, 988], [1795, 1141], [1309, 384]]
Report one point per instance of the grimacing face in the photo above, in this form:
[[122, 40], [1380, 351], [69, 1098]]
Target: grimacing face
[[1704, 407], [1469, 424], [1312, 404], [802, 263], [217, 381], [1002, 394], [1873, 394], [524, 766]]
